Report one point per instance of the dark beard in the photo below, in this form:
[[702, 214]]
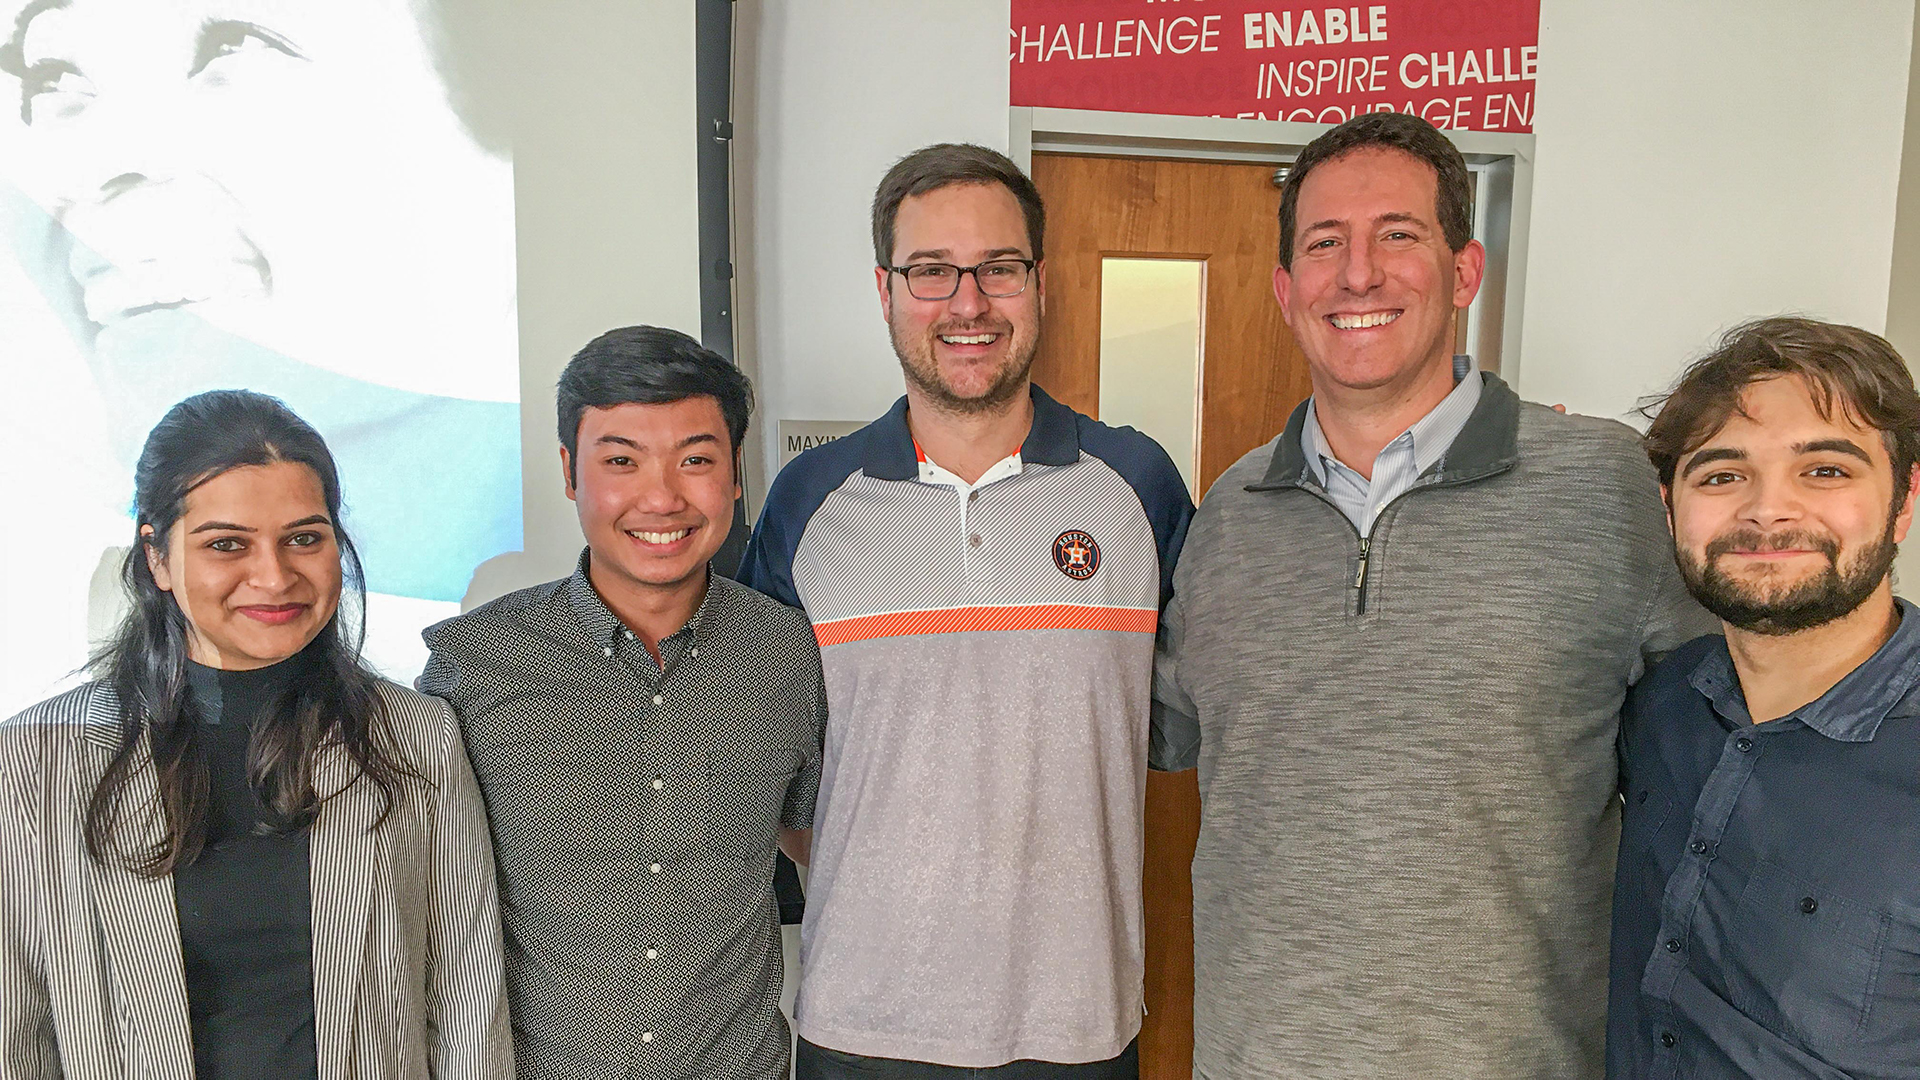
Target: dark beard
[[924, 374], [1829, 595]]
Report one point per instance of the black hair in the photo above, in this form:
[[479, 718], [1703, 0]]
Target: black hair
[[942, 165], [1409, 134], [335, 699], [649, 365]]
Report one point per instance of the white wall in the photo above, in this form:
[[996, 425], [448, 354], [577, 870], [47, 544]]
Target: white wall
[[1700, 164], [1903, 295], [828, 94], [599, 152]]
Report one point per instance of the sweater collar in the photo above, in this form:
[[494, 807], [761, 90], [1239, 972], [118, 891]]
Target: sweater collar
[[1488, 444]]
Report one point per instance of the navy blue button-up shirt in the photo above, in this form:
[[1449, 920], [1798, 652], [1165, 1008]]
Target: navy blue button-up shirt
[[1766, 918]]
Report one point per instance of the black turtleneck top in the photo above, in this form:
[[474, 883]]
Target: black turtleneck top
[[246, 930]]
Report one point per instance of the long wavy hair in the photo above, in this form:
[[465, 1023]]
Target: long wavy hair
[[335, 699]]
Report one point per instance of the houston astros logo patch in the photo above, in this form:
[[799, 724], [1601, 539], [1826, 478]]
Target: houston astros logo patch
[[1075, 553]]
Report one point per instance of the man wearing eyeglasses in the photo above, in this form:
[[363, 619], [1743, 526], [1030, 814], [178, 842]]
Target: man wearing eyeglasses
[[984, 569]]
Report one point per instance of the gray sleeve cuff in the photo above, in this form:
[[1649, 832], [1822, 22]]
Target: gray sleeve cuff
[[1173, 740]]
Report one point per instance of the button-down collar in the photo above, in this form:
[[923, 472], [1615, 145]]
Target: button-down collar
[[1853, 709], [606, 629], [1400, 463], [1430, 436], [1053, 439]]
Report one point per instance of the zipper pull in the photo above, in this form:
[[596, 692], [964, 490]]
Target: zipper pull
[[1360, 568]]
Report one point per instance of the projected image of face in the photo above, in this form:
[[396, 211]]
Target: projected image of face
[[264, 164], [278, 195]]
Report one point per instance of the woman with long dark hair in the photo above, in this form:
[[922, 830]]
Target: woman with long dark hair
[[237, 852]]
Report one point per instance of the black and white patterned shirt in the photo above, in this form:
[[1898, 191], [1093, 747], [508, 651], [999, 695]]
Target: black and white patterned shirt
[[635, 809]]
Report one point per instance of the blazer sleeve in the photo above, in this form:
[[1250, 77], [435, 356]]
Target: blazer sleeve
[[27, 1047], [471, 1035]]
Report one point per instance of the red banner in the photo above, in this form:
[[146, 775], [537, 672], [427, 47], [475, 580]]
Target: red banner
[[1458, 63]]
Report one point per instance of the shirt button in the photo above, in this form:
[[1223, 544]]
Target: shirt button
[[1673, 946], [695, 651], [1698, 847], [1745, 744], [658, 783], [1808, 905], [608, 651], [654, 869], [653, 954], [974, 539], [646, 1036], [629, 635], [658, 700], [1667, 1039]]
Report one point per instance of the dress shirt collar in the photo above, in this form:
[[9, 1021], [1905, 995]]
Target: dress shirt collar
[[1054, 439], [604, 628], [1852, 710], [1431, 435]]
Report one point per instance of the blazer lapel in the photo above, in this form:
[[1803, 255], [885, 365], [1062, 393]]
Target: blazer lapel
[[345, 858], [140, 927]]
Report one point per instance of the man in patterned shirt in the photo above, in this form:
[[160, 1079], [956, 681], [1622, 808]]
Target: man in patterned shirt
[[643, 730], [984, 568]]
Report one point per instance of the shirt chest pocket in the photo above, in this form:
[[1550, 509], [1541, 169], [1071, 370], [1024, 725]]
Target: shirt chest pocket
[[1803, 959], [746, 790]]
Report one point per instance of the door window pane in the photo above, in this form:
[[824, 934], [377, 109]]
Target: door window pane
[[1150, 347]]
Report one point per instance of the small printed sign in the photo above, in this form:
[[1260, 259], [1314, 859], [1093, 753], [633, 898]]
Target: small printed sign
[[798, 436]]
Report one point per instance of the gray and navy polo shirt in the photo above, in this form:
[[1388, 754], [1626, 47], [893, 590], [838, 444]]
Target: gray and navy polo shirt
[[974, 897]]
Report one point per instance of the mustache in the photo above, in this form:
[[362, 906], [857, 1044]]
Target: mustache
[[1755, 540]]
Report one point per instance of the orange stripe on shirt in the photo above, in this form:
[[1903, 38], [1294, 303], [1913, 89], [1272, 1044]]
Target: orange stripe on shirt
[[975, 619]]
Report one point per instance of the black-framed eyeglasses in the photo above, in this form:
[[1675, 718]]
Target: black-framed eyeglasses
[[998, 278]]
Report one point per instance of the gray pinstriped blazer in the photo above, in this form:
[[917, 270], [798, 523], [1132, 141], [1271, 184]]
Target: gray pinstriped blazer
[[406, 927]]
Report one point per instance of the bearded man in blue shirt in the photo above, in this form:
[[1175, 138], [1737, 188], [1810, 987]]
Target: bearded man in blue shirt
[[1767, 900]]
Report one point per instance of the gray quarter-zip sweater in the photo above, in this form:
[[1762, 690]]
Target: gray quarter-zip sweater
[[1406, 750]]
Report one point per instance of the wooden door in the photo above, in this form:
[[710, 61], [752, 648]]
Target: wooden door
[[1252, 373], [1252, 376]]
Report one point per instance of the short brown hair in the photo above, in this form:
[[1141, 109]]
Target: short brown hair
[[931, 168], [1453, 187], [1846, 365]]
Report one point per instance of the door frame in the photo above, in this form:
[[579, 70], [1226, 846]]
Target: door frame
[[1501, 163]]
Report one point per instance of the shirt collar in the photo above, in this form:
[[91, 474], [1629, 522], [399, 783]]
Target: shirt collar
[[605, 628], [1881, 687], [1054, 439], [1431, 435]]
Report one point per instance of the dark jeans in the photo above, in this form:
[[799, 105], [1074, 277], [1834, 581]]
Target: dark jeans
[[819, 1063]]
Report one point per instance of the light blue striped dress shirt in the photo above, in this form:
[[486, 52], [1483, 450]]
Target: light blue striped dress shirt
[[1401, 461]]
